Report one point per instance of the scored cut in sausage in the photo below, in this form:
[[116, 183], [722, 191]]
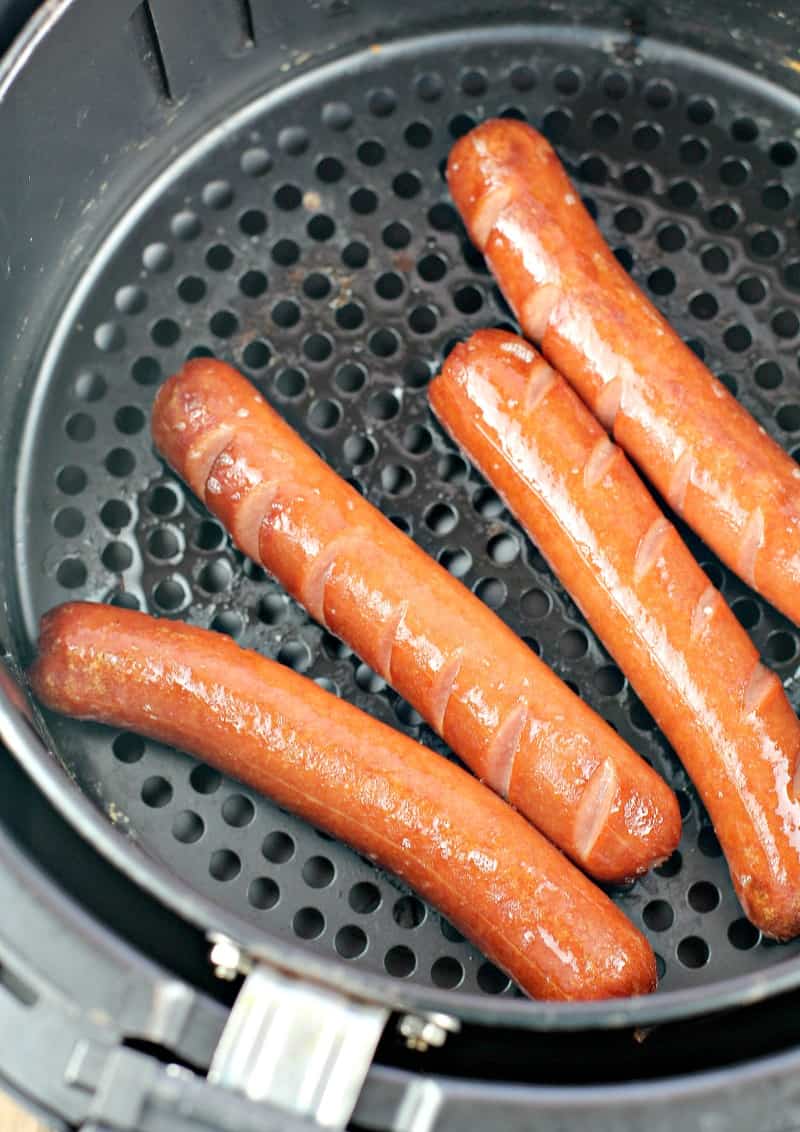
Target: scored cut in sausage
[[638, 585], [702, 450], [461, 847], [507, 715]]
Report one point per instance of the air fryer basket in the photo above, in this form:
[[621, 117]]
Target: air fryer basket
[[264, 182]]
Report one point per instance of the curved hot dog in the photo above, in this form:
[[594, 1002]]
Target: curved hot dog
[[493, 701], [415, 813], [707, 456], [638, 585]]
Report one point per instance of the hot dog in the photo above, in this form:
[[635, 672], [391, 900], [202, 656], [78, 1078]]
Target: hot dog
[[415, 813], [493, 701], [701, 449], [629, 571]]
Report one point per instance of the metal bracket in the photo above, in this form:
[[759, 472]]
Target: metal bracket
[[302, 1047]]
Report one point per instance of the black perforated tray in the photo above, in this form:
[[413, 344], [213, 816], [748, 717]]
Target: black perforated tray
[[310, 240]]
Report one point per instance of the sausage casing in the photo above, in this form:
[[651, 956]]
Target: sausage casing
[[702, 450], [627, 568], [503, 711], [415, 813]]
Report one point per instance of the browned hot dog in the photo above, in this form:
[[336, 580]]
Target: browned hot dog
[[706, 455], [493, 701], [687, 656], [410, 810]]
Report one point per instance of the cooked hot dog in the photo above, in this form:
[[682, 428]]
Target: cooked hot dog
[[415, 813], [493, 701], [629, 571], [707, 456]]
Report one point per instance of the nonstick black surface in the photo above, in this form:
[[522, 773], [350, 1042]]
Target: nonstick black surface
[[310, 241]]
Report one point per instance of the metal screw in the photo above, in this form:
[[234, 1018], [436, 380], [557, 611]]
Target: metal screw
[[226, 957], [432, 1030]]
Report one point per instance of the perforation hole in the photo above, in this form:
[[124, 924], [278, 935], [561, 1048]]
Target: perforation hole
[[707, 842], [116, 557], [456, 560], [743, 935], [69, 522], [318, 872], [700, 110], [574, 644], [693, 952], [658, 94], [359, 449], [441, 518], [734, 171], [447, 972], [290, 383], [768, 375], [238, 811], [205, 780], [171, 594], [671, 237], [364, 897], [491, 591], [785, 323], [781, 647], [188, 827], [215, 576], [363, 201], [661, 281], [295, 654], [79, 427], [503, 549], [157, 257], [127, 747], [646, 136], [225, 865], [672, 866], [715, 259], [406, 185], [418, 134], [703, 896], [744, 129], [783, 153], [156, 792], [350, 941], [683, 194], [658, 916], [765, 244], [227, 621], [355, 255], [146, 371], [604, 125], [491, 980], [703, 305], [556, 124], [350, 316], [263, 893], [400, 962], [255, 161], [165, 332]]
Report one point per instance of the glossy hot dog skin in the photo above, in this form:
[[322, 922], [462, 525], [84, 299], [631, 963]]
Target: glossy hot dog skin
[[640, 588], [706, 455], [494, 702], [413, 812]]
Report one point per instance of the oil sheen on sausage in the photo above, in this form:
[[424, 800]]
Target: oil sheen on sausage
[[461, 847], [701, 449], [499, 707], [669, 629]]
